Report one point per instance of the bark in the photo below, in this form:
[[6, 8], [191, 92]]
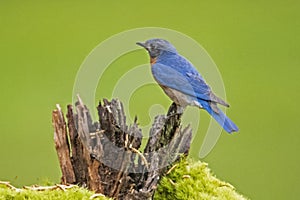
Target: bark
[[104, 155]]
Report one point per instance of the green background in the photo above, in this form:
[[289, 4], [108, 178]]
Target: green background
[[255, 44]]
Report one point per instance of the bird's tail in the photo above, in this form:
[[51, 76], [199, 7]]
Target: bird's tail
[[223, 120]]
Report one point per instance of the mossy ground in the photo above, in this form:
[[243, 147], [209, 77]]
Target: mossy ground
[[194, 180], [187, 180], [69, 194]]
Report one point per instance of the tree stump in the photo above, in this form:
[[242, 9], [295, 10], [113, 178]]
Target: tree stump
[[104, 156]]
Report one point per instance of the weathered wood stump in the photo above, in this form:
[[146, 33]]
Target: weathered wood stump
[[104, 156]]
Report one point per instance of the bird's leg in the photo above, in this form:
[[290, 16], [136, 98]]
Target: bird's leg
[[174, 110]]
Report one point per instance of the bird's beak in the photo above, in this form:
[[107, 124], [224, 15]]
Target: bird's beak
[[141, 44]]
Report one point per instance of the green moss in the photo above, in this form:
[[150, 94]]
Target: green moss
[[194, 180], [24, 194], [188, 180]]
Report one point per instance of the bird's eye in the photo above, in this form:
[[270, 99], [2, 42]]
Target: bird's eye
[[152, 46]]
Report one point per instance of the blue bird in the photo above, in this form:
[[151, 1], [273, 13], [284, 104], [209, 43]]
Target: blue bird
[[182, 82]]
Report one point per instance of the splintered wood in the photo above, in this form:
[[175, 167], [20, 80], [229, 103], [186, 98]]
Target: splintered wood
[[104, 155]]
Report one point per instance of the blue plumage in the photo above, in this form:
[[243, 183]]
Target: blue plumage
[[182, 82], [221, 118]]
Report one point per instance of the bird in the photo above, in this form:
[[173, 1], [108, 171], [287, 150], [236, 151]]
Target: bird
[[180, 80]]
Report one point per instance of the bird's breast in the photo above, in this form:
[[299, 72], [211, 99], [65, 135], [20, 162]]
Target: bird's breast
[[153, 60]]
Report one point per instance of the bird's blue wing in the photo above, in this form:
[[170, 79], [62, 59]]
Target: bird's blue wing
[[182, 77]]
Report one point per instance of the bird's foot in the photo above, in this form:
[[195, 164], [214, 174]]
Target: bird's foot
[[174, 114], [175, 110]]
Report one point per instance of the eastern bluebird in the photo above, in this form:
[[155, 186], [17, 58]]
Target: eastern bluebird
[[182, 82]]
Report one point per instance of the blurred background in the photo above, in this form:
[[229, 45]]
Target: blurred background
[[255, 44]]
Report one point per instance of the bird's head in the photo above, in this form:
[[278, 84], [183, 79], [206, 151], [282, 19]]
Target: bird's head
[[156, 47]]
